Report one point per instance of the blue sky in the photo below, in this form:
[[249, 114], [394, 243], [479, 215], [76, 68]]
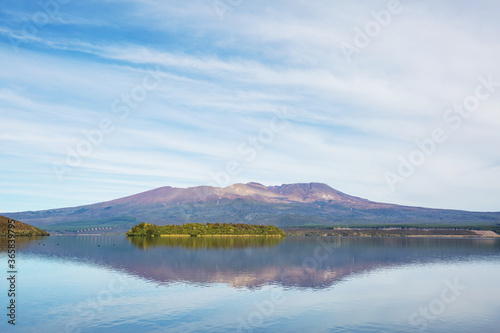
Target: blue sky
[[174, 92]]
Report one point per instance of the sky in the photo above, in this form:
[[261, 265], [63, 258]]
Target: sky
[[393, 101]]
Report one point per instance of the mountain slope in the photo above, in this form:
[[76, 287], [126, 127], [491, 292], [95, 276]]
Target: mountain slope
[[21, 229], [285, 205]]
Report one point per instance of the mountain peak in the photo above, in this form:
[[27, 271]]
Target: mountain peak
[[310, 192], [286, 204]]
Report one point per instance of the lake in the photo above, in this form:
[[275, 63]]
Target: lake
[[252, 284]]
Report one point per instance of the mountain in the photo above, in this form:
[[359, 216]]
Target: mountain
[[285, 205], [21, 229]]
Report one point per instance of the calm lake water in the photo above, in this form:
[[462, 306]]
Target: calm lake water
[[328, 284]]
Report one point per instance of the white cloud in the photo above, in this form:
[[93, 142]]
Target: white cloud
[[223, 79]]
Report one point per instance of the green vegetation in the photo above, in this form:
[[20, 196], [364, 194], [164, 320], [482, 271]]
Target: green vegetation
[[21, 229], [492, 227], [208, 229], [389, 230]]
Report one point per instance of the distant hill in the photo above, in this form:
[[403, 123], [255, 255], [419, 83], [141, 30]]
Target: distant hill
[[283, 206], [21, 229]]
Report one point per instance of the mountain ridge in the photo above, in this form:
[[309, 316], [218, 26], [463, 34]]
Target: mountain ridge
[[280, 205]]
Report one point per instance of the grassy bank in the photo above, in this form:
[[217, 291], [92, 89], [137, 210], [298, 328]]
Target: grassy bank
[[21, 229], [394, 231]]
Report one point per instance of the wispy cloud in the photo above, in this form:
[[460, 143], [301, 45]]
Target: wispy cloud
[[222, 80]]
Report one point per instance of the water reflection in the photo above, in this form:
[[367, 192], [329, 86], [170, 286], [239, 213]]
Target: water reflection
[[302, 262], [223, 242], [21, 242]]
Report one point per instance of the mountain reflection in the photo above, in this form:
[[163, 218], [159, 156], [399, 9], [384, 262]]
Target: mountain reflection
[[299, 262], [222, 242]]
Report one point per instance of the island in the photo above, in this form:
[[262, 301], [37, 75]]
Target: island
[[206, 229]]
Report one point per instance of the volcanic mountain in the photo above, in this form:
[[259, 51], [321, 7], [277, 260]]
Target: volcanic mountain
[[254, 203]]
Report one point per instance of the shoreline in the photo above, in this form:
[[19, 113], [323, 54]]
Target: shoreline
[[392, 232], [185, 235]]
